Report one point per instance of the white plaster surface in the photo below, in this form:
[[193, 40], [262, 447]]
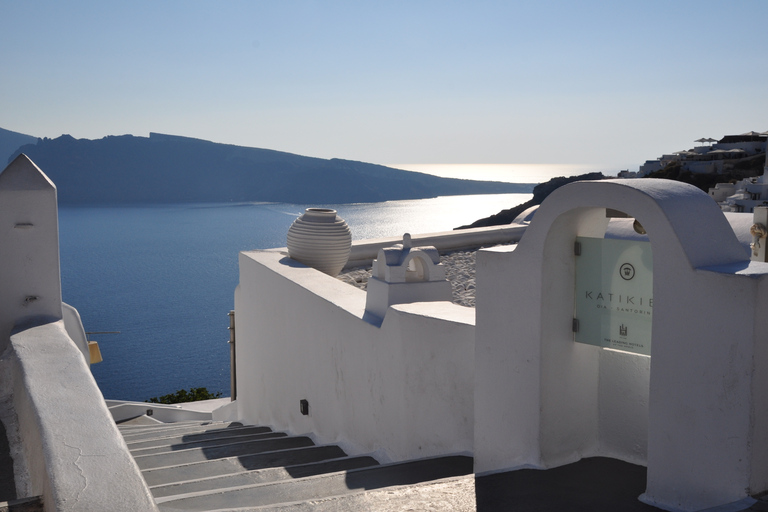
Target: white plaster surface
[[77, 459], [381, 295], [29, 253], [542, 400], [205, 405], [226, 412], [74, 326], [161, 412], [64, 442], [365, 251], [694, 412], [402, 390], [459, 270]]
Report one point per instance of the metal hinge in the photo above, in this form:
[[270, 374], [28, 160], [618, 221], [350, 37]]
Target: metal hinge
[[575, 325], [577, 248]]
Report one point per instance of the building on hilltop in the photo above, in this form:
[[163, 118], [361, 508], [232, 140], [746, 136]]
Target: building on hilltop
[[712, 158], [744, 195]]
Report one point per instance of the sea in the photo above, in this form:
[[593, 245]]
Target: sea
[[155, 283]]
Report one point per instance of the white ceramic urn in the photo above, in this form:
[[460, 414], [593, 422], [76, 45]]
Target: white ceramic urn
[[320, 239]]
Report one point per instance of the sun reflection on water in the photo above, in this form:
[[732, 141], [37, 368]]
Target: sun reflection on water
[[511, 173]]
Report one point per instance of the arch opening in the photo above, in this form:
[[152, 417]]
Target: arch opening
[[416, 270], [596, 374]]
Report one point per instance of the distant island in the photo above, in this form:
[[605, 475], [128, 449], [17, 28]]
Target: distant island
[[172, 169]]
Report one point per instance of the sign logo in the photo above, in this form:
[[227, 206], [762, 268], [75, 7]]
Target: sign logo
[[627, 271], [622, 330]]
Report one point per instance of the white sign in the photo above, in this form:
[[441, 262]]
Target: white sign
[[614, 294]]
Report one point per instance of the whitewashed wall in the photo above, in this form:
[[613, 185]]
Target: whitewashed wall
[[71, 451], [404, 390], [29, 247], [695, 410], [65, 444]]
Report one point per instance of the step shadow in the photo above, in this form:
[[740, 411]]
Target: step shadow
[[589, 485]]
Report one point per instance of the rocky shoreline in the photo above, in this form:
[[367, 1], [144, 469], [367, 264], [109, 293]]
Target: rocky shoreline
[[540, 192]]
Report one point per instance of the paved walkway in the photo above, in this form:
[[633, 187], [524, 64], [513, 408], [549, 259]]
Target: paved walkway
[[589, 485]]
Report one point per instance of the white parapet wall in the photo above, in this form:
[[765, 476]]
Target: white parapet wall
[[695, 411], [64, 442], [365, 251], [71, 452], [403, 390], [162, 413]]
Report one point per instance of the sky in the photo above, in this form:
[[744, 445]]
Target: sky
[[606, 84]]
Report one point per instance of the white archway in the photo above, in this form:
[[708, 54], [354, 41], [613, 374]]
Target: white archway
[[537, 395]]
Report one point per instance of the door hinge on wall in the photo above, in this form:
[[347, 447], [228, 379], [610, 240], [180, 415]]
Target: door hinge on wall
[[575, 325]]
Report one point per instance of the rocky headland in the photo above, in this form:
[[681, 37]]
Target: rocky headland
[[540, 192]]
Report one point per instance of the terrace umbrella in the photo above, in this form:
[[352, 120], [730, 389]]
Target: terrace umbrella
[[718, 152], [752, 135], [702, 140]]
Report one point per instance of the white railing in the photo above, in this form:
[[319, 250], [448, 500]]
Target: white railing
[[365, 251], [73, 455]]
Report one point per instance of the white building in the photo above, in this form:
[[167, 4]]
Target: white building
[[743, 196], [713, 158], [506, 381], [675, 379]]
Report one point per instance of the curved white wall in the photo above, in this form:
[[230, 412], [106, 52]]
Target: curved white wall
[[74, 326], [76, 458], [543, 400], [403, 390]]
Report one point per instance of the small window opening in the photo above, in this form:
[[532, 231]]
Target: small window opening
[[415, 271]]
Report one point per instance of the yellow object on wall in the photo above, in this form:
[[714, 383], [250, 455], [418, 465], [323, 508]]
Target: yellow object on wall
[[93, 348]]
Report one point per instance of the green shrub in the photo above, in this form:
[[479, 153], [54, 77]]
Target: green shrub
[[182, 395]]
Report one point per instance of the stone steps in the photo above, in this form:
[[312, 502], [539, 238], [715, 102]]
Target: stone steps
[[455, 494], [321, 486], [233, 465], [262, 476], [196, 437], [136, 433], [232, 449], [204, 444], [212, 466]]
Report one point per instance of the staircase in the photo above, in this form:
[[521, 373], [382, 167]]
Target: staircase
[[221, 466]]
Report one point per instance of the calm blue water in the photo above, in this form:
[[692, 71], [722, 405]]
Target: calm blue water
[[164, 276]]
